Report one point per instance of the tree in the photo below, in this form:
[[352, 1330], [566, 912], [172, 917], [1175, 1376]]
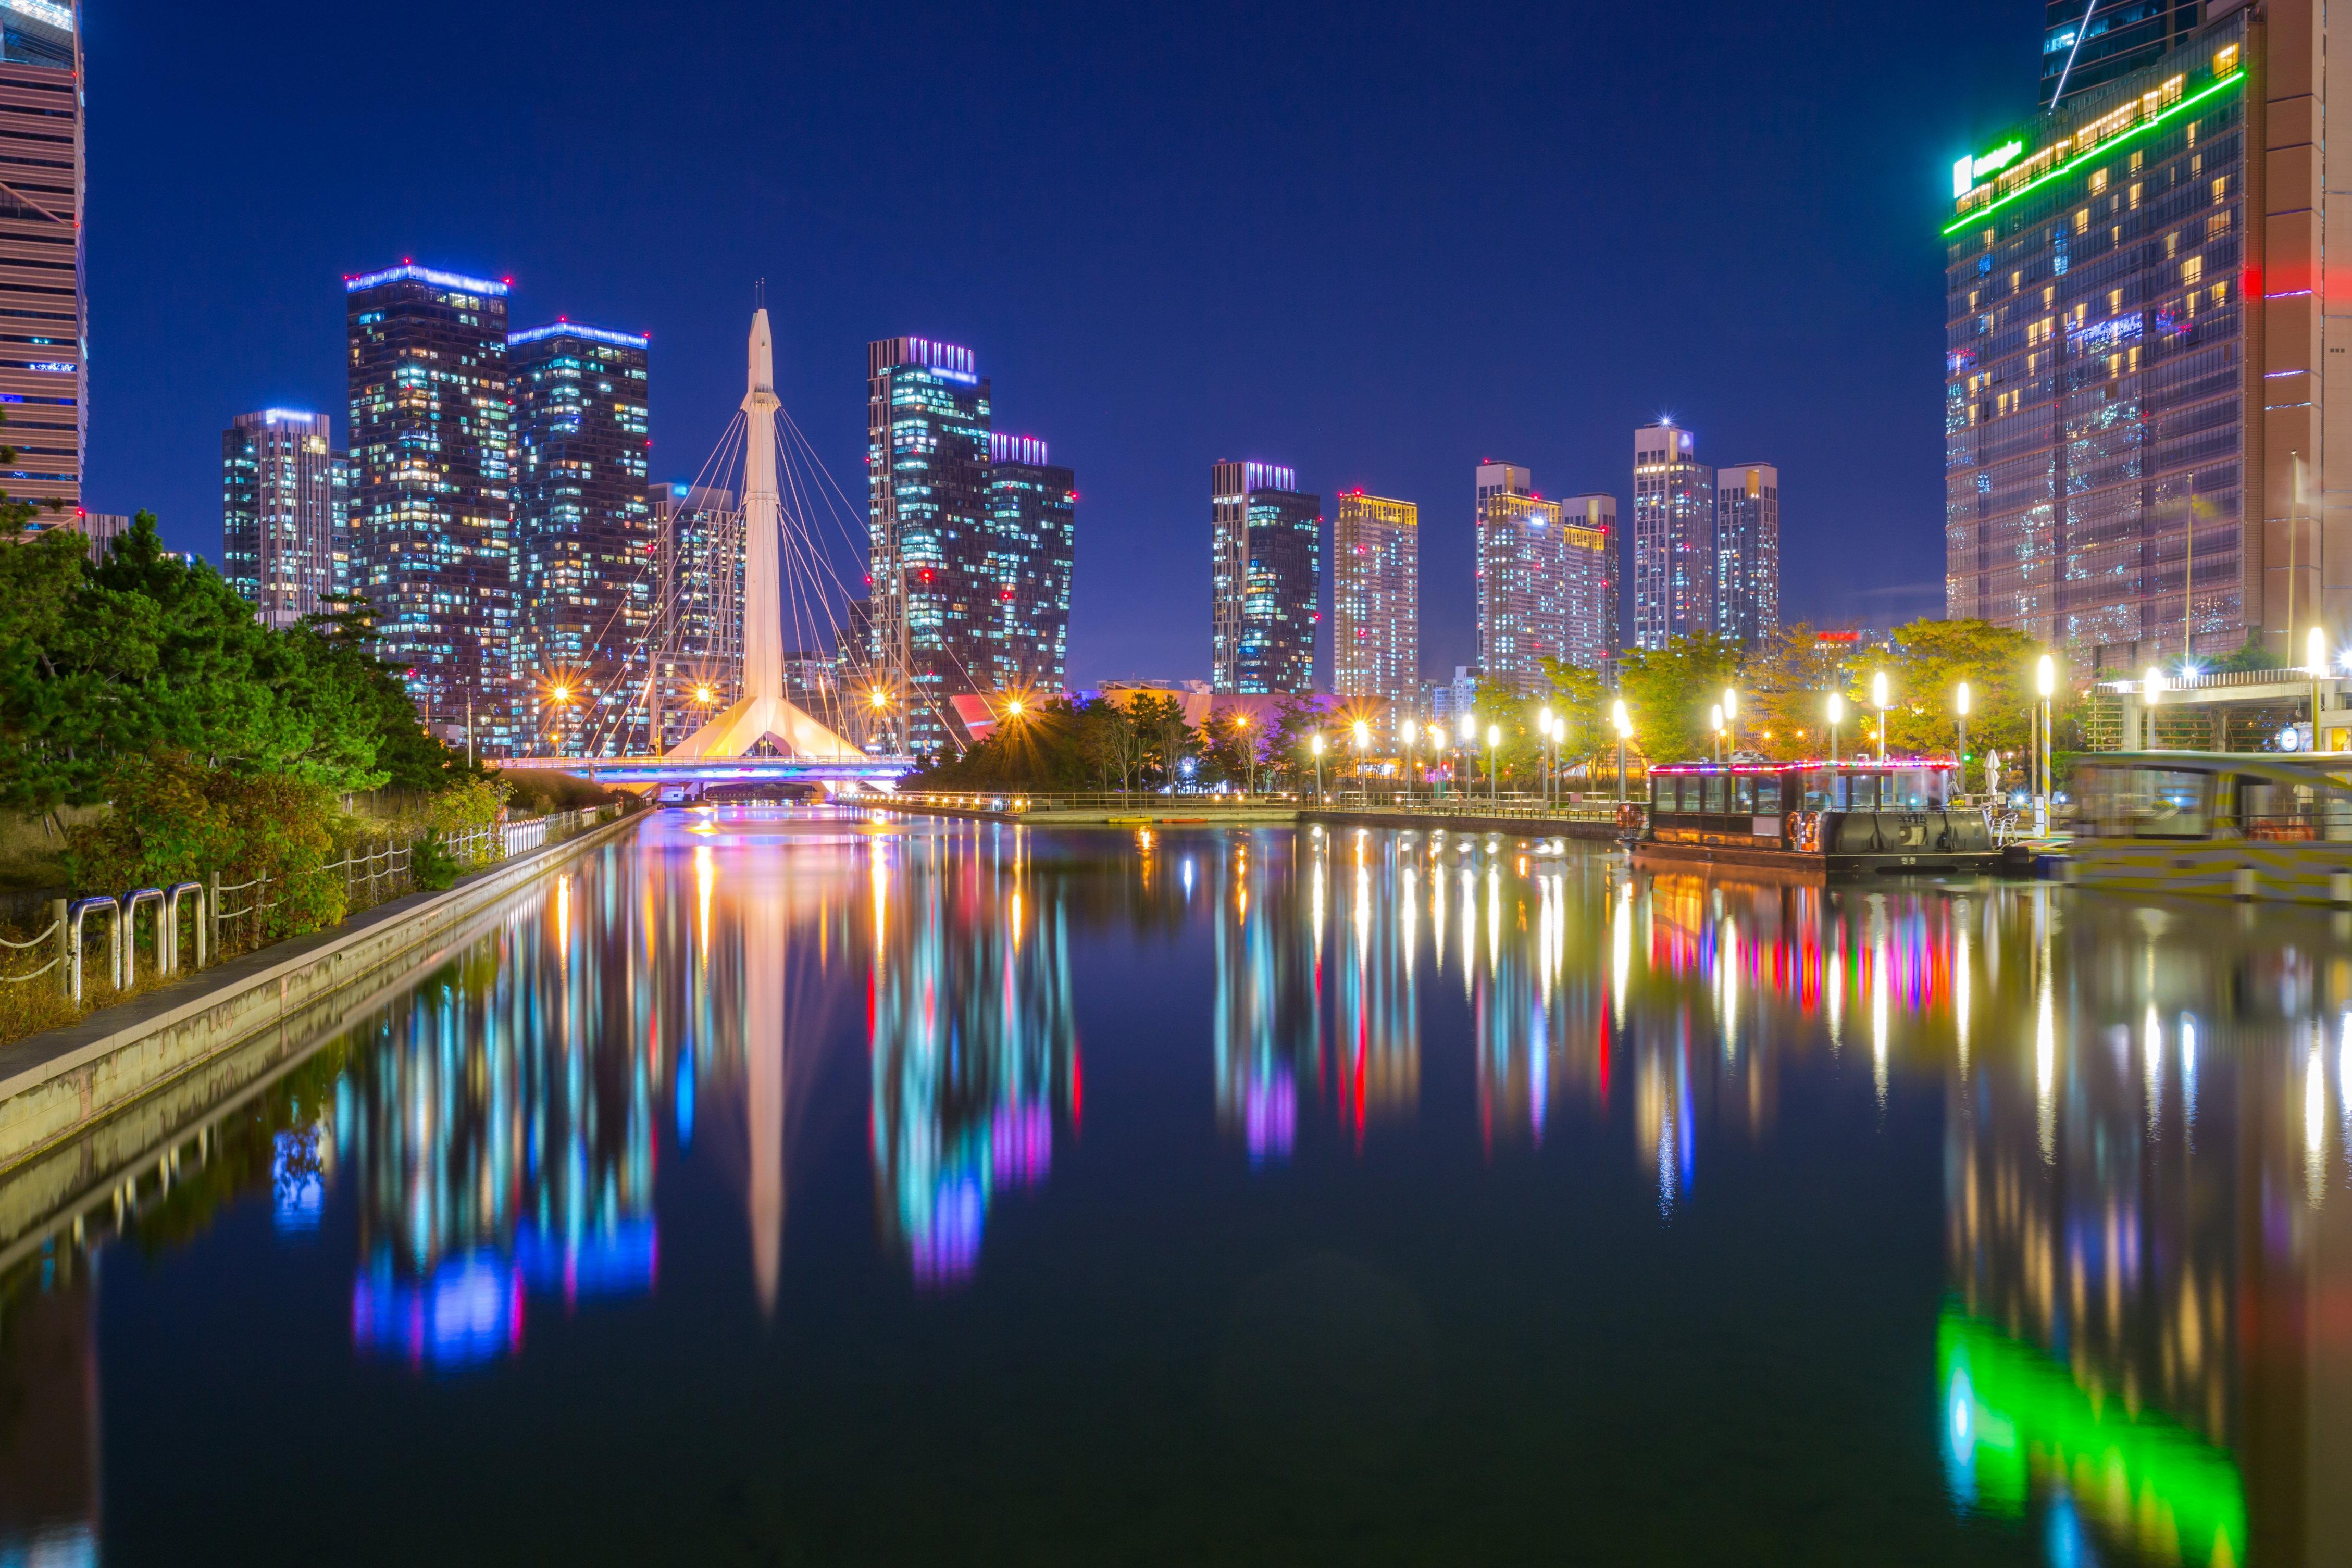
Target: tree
[[1228, 747], [1110, 742], [1930, 661], [1581, 702], [1784, 691], [1668, 691], [1167, 739], [1288, 741]]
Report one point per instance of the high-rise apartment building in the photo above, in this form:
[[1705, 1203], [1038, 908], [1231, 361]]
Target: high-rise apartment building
[[1031, 521], [2138, 401], [2089, 43], [586, 552], [1748, 553], [1522, 578], [1375, 597], [431, 507], [698, 635], [1674, 536], [1267, 537], [44, 341], [927, 465], [282, 543], [1590, 551]]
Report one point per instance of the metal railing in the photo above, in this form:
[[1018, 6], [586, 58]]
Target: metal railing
[[1591, 807], [371, 875]]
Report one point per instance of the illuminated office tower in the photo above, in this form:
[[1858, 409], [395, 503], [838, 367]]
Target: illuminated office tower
[[926, 467], [1522, 578], [1748, 553], [1024, 640], [44, 368], [585, 554], [1376, 598], [698, 630], [2135, 455], [1589, 552], [281, 514], [2088, 43], [1268, 544], [432, 512], [1674, 537]]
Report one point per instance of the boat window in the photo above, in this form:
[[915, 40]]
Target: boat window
[[1662, 793], [1743, 796], [1714, 783], [1819, 792], [1768, 796], [2278, 812], [2146, 802], [1862, 792]]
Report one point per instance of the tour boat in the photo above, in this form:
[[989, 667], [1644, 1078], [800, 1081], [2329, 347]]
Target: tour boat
[[2216, 825], [1815, 819]]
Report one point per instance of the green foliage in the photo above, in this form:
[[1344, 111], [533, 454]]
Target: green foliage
[[1289, 748], [1784, 689], [431, 865], [2256, 654], [1930, 661], [532, 792], [1228, 748], [1669, 691], [471, 803]]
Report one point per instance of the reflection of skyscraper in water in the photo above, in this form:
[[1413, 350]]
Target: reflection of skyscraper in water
[[50, 1458], [501, 1131], [1538, 1001], [1379, 1037], [1268, 1014], [975, 1050]]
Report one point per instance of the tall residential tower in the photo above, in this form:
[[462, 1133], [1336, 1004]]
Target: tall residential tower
[[1267, 544], [1589, 546], [1522, 578], [927, 467], [585, 560], [431, 508], [43, 348], [1674, 536], [1748, 553], [1376, 598], [282, 506], [1032, 521]]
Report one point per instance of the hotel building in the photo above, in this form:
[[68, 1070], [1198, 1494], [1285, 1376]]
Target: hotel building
[[1674, 536], [1376, 598]]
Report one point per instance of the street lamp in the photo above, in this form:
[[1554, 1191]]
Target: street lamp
[[1622, 722], [1249, 753], [1465, 735], [1961, 705], [1494, 750], [1714, 724], [1730, 721], [1837, 717], [1315, 745], [2045, 681], [2316, 651], [1547, 726], [1363, 733], [1410, 732], [1878, 700]]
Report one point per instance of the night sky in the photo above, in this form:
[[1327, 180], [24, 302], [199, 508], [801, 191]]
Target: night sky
[[1377, 242]]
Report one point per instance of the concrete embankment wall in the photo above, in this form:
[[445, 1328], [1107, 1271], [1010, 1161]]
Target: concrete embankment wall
[[1179, 817], [1510, 826], [153, 1062]]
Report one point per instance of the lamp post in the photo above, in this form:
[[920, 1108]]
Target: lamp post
[[1465, 735], [1410, 732], [1363, 736], [1249, 753], [1878, 700], [2151, 688], [2045, 681], [1730, 722], [1837, 717], [1960, 706], [561, 695], [1317, 746], [2315, 657], [1715, 723], [1622, 722], [1543, 729], [1494, 750]]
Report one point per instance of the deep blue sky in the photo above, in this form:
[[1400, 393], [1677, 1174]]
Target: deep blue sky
[[1377, 242]]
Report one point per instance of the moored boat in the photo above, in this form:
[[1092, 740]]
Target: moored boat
[[2216, 825], [1816, 820]]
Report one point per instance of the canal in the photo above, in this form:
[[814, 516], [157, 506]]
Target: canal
[[782, 1187]]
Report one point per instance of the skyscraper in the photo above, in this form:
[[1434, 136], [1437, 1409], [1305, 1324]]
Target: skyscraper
[[282, 521], [1522, 578], [1748, 553], [2136, 387], [1376, 598], [1031, 518], [1674, 536], [1590, 548], [586, 552], [2087, 43], [927, 466], [44, 375], [698, 605], [431, 508], [1269, 544]]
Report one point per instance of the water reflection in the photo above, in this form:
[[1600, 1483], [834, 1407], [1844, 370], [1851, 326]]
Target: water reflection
[[2137, 1338]]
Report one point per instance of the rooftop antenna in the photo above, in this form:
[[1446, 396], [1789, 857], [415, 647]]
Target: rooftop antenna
[[760, 294]]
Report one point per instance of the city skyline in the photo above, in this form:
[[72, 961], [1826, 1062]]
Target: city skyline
[[1143, 386]]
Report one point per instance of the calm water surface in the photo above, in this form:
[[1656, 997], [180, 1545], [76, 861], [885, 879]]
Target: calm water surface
[[794, 1188]]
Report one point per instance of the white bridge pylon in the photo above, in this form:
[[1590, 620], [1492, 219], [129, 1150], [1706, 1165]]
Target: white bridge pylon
[[764, 714]]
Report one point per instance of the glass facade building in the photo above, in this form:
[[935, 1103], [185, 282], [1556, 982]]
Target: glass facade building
[[1267, 544], [44, 327], [927, 464], [1747, 553], [698, 638], [1522, 578], [1375, 597], [586, 552], [1589, 547], [2106, 395], [432, 507], [282, 543], [1031, 518], [2089, 43], [1674, 537]]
